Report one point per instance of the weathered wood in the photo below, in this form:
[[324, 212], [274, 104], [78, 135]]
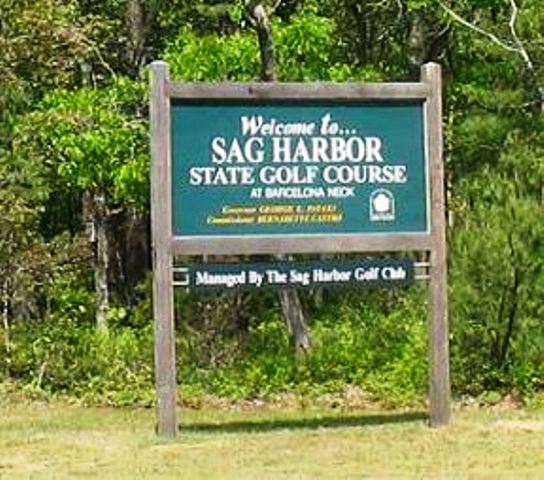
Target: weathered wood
[[438, 302], [299, 244], [161, 228], [303, 92], [165, 244]]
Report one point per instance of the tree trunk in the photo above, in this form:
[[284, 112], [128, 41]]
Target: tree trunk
[[101, 264], [136, 28], [512, 315], [294, 318], [259, 18], [5, 323], [289, 299]]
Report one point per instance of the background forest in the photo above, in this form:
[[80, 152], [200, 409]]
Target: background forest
[[74, 198]]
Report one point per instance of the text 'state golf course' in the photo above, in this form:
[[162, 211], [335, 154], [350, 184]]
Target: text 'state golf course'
[[298, 168]]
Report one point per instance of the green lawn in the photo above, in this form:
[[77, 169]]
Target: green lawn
[[53, 440]]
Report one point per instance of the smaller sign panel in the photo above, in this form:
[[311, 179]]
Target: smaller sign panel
[[357, 273]]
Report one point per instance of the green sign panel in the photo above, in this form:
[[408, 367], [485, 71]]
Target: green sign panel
[[357, 273], [298, 168]]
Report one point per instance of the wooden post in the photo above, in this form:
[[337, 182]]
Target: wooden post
[[161, 230], [438, 300]]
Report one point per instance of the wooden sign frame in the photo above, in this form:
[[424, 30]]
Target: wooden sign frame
[[166, 245]]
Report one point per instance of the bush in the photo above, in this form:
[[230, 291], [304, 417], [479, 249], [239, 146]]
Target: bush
[[497, 292], [66, 357], [383, 353]]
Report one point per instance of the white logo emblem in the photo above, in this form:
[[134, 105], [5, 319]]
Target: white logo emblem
[[382, 205]]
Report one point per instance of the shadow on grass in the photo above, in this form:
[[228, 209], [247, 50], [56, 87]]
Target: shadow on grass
[[255, 426]]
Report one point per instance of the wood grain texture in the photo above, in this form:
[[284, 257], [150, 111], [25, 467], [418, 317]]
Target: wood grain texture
[[303, 92], [299, 244], [438, 301], [161, 214]]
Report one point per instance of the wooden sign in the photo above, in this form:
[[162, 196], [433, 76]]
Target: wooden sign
[[260, 168]]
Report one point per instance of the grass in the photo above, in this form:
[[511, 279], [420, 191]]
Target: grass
[[56, 440]]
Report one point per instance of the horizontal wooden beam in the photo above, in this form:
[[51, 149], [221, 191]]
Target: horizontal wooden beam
[[299, 244], [302, 92]]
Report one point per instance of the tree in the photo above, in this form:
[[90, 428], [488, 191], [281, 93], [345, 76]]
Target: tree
[[527, 21], [289, 298], [94, 141], [495, 154]]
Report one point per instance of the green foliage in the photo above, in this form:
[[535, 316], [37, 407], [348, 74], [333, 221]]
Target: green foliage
[[497, 251], [41, 43], [212, 58], [353, 343], [204, 16], [69, 355], [306, 50], [68, 286], [495, 163], [383, 354], [497, 275], [72, 126], [93, 139]]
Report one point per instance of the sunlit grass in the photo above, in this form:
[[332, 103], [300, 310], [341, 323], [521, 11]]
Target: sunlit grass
[[54, 440]]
